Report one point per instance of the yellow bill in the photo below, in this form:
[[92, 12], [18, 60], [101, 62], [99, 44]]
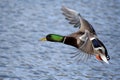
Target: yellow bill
[[43, 39]]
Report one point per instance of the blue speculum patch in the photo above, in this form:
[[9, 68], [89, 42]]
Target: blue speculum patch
[[96, 43]]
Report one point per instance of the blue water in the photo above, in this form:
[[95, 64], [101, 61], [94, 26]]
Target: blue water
[[24, 57]]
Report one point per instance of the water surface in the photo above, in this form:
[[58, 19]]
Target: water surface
[[23, 57]]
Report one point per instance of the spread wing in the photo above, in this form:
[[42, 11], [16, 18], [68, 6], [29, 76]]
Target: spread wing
[[72, 16], [76, 19], [85, 46]]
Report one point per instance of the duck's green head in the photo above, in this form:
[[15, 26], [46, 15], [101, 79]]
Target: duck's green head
[[53, 38], [63, 39]]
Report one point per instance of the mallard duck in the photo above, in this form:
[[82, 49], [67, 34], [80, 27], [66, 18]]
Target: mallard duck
[[85, 39]]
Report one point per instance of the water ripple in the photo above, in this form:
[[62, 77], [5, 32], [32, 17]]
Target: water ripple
[[24, 57]]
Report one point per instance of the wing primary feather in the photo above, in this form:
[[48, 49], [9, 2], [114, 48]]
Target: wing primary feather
[[72, 16]]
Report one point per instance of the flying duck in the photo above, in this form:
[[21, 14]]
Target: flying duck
[[85, 39]]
